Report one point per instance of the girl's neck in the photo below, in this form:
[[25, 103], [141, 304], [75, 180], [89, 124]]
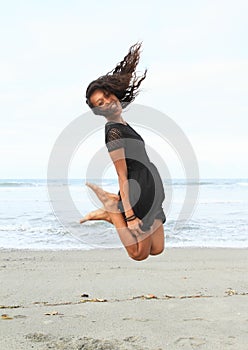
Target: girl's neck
[[118, 119]]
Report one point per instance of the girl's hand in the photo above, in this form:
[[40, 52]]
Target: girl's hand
[[134, 226]]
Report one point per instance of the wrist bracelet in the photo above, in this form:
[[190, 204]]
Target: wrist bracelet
[[131, 218]]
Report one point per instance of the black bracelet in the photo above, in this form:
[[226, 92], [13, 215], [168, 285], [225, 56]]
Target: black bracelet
[[131, 218]]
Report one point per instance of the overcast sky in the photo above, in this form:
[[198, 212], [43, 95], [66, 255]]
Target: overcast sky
[[197, 58]]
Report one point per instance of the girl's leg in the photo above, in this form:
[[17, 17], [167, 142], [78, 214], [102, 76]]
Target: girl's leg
[[157, 237], [99, 214], [138, 247]]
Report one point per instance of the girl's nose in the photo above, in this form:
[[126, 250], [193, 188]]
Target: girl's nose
[[107, 100]]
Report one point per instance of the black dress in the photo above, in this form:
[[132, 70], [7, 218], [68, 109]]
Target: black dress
[[146, 192]]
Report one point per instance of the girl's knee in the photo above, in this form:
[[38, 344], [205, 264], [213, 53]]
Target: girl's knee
[[138, 256], [157, 251]]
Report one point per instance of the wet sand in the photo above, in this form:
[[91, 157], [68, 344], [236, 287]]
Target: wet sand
[[101, 299]]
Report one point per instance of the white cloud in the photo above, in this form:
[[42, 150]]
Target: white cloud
[[182, 76]]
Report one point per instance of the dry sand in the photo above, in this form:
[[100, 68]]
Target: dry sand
[[182, 299]]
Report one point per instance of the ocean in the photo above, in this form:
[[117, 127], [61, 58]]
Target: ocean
[[28, 221]]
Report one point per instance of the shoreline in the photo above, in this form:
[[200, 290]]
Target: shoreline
[[185, 298], [115, 248]]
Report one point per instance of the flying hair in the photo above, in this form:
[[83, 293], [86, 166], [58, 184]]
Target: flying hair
[[122, 81]]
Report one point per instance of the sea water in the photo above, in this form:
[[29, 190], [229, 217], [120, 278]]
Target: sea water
[[28, 220]]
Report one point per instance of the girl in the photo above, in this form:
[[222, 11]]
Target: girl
[[136, 211]]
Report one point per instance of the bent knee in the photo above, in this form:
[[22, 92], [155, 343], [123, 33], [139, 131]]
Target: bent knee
[[139, 256], [157, 251]]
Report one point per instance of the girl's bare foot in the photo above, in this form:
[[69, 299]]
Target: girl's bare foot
[[99, 214], [113, 196], [109, 200]]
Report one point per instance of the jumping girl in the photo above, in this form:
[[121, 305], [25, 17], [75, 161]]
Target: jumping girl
[[136, 212]]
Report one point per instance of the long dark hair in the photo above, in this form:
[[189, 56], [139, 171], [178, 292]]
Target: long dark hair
[[122, 81]]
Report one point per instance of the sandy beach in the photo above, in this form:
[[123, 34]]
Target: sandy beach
[[101, 299]]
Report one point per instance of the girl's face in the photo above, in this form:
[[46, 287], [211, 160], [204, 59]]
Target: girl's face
[[106, 103]]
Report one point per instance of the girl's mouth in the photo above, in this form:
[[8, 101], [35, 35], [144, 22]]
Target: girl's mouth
[[112, 106]]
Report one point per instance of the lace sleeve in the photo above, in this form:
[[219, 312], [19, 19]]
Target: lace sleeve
[[114, 139]]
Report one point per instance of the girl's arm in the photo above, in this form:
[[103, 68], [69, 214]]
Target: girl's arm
[[118, 158]]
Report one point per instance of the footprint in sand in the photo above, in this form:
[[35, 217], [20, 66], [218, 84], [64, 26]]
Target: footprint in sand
[[192, 341], [64, 343]]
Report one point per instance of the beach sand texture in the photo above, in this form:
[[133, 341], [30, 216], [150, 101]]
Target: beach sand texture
[[188, 298]]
